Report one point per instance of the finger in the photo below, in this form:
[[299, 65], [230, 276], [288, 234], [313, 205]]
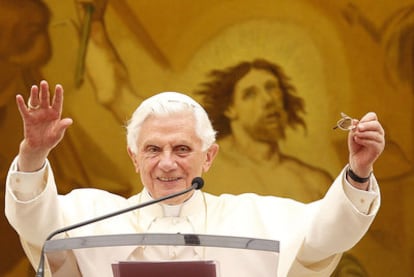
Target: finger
[[368, 136], [63, 125], [33, 100], [374, 141], [44, 94], [354, 123], [57, 103], [370, 126], [369, 117], [21, 105], [375, 146]]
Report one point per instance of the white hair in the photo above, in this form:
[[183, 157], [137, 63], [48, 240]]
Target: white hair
[[167, 103]]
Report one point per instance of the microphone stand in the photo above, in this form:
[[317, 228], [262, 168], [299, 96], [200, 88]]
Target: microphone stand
[[196, 183]]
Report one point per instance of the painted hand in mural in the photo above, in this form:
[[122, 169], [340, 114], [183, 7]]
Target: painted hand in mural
[[43, 126], [98, 7], [366, 142], [104, 67], [91, 14]]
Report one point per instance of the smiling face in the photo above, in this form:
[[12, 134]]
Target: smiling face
[[258, 107], [170, 155]]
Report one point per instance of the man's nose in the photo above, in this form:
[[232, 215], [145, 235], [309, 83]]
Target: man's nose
[[266, 98], [271, 101], [167, 161]]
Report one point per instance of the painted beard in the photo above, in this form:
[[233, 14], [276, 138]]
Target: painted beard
[[269, 128]]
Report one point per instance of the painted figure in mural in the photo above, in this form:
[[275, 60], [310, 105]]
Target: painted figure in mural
[[24, 48], [394, 34], [111, 84], [171, 141], [107, 96], [251, 105], [24, 44]]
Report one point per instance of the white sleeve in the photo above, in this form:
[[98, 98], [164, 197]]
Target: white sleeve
[[338, 221], [31, 203], [364, 201], [26, 186]]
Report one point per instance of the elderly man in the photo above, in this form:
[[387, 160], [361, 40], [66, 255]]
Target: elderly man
[[171, 141]]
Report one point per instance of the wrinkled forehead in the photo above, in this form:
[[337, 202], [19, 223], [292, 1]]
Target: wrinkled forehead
[[180, 125], [168, 132]]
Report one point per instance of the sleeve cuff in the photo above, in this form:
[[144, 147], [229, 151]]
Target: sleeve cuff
[[364, 201], [26, 186]]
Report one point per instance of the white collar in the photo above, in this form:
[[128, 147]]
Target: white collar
[[194, 209], [172, 210]]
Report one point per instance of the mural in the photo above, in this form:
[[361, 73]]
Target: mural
[[248, 62], [251, 104]]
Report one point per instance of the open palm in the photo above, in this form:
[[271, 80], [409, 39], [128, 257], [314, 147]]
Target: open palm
[[43, 126]]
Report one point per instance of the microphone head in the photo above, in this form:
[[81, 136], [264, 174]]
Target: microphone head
[[197, 183]]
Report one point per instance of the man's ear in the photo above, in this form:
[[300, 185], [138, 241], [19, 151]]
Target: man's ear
[[211, 154], [134, 159], [230, 113]]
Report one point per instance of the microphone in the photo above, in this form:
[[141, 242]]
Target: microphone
[[196, 183]]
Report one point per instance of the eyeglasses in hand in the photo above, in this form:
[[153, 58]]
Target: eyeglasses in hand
[[346, 123]]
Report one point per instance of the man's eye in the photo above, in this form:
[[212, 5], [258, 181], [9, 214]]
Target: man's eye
[[270, 86], [182, 150], [152, 149], [249, 93]]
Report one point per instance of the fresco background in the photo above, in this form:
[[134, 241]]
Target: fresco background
[[341, 56]]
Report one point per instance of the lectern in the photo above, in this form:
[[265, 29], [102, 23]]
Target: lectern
[[223, 256], [166, 268]]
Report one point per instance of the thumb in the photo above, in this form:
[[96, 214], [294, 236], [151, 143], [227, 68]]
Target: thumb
[[63, 125]]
